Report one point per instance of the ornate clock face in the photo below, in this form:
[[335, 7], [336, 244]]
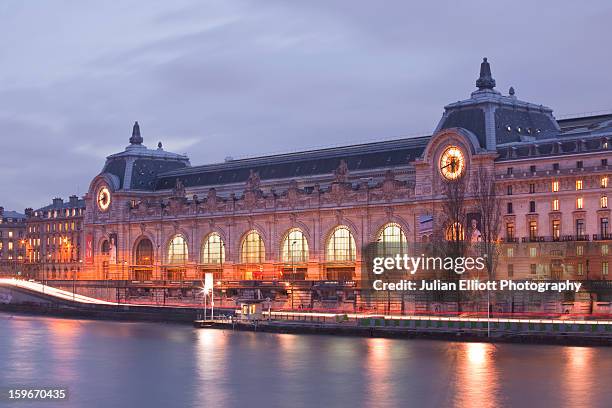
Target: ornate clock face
[[104, 198], [452, 163]]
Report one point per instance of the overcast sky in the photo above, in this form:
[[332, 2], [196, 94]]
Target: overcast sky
[[242, 78]]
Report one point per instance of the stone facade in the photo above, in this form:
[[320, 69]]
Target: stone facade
[[54, 239]]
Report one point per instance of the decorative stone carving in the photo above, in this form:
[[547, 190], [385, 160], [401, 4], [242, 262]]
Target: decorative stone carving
[[211, 200], [253, 182], [179, 189], [338, 193], [342, 172], [293, 194], [339, 216], [389, 185]]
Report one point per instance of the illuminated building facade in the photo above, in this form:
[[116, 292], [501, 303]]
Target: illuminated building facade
[[150, 215], [12, 245], [54, 239]]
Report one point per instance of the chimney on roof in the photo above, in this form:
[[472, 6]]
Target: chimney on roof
[[29, 212], [1, 211], [73, 200], [485, 81], [136, 139], [57, 202]]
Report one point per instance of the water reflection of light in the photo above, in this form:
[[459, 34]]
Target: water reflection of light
[[579, 382], [64, 335], [477, 378], [379, 372], [210, 355], [476, 353]]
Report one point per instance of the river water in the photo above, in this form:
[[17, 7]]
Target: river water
[[117, 364]]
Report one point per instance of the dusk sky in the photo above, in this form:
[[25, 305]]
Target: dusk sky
[[242, 78]]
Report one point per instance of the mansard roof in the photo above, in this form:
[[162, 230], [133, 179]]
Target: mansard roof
[[13, 214], [370, 156]]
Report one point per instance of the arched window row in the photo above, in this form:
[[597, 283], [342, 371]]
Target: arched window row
[[294, 249]]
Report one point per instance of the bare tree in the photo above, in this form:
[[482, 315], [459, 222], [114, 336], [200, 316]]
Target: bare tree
[[454, 208], [488, 204], [451, 238]]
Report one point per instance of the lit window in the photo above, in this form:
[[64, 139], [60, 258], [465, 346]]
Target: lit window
[[555, 204], [510, 252], [392, 240], [580, 269], [144, 252], [341, 245], [555, 186], [556, 229], [533, 230], [604, 201], [604, 250], [579, 250], [10, 245], [455, 232], [213, 250], [579, 203], [533, 252], [253, 249], [295, 247], [604, 268], [177, 250], [578, 184], [604, 182]]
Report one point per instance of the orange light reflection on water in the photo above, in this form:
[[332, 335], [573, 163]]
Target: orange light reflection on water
[[477, 381], [578, 384]]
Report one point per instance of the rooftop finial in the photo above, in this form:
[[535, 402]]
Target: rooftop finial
[[136, 139], [511, 91], [485, 81]]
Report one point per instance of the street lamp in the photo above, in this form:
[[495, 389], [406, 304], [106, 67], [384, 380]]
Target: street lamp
[[293, 260]]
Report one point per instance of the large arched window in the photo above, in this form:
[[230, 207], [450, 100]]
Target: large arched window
[[144, 252], [391, 240], [213, 250], [295, 247], [177, 250], [341, 246], [253, 249]]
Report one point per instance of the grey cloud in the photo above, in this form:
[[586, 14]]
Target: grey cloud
[[247, 77]]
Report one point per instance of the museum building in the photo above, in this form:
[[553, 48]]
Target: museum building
[[150, 215]]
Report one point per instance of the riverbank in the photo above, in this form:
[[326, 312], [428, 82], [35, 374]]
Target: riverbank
[[418, 328]]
